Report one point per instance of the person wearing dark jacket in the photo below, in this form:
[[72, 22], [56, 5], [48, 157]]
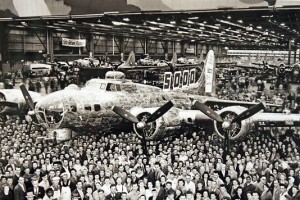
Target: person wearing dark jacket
[[38, 191], [20, 190], [6, 194], [114, 195]]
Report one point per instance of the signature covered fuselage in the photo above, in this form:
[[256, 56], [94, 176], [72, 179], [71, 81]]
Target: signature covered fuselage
[[90, 109]]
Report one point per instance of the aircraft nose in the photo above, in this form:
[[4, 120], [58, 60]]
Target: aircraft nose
[[51, 110]]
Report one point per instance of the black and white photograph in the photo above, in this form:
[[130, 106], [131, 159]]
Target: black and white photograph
[[149, 99]]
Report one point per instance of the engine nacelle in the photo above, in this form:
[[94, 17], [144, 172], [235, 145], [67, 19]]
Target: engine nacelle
[[238, 129], [160, 128]]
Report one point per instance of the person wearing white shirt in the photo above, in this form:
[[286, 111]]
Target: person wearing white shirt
[[283, 193], [173, 180], [106, 186], [189, 184], [120, 187]]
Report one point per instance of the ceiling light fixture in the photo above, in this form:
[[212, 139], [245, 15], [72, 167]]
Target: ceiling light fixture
[[117, 23], [24, 23]]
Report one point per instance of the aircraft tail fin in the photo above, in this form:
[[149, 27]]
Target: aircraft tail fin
[[174, 58], [206, 82], [129, 63], [131, 59]]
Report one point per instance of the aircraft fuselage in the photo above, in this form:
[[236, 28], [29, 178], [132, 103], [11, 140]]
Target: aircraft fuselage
[[90, 109]]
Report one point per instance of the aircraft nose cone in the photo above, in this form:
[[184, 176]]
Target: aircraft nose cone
[[140, 125], [226, 124]]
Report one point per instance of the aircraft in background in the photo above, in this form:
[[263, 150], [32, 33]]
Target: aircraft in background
[[277, 65], [270, 2], [87, 62], [148, 63], [12, 102], [273, 65], [106, 105]]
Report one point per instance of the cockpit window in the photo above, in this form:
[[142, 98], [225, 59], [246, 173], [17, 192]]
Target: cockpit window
[[113, 87], [97, 107], [110, 87], [2, 97], [88, 107]]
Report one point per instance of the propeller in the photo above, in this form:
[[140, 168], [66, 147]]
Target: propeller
[[208, 111], [141, 124], [27, 96], [160, 112], [227, 124], [9, 104], [249, 112], [125, 114], [29, 102]]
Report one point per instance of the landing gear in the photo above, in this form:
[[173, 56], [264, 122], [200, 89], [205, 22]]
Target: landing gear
[[144, 146], [229, 129]]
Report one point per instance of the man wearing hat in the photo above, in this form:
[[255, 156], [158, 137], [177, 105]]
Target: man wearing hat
[[65, 186], [56, 187]]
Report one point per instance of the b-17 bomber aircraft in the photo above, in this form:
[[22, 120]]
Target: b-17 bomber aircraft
[[105, 105]]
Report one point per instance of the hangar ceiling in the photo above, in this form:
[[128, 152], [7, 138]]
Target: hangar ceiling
[[257, 28]]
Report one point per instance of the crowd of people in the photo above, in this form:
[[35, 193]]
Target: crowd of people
[[264, 165]]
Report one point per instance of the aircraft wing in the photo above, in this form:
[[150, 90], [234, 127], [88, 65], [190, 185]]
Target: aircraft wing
[[250, 66], [225, 103], [276, 119], [8, 108], [226, 64]]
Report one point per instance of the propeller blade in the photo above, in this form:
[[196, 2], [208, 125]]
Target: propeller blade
[[29, 128], [160, 112], [208, 111], [27, 96], [10, 111], [249, 112], [31, 117], [34, 119], [126, 115], [9, 104]]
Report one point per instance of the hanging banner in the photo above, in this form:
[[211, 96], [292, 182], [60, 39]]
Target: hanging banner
[[210, 72], [73, 42]]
